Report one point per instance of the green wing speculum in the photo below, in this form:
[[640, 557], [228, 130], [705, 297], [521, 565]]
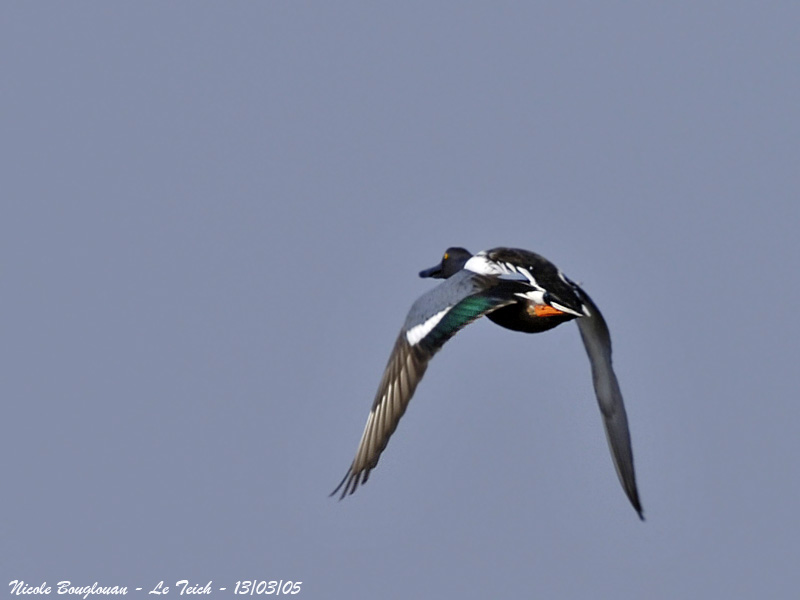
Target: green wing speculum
[[459, 316]]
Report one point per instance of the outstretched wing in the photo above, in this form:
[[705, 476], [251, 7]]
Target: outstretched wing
[[597, 341], [434, 318]]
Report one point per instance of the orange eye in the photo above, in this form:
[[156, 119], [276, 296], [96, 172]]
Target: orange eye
[[446, 256]]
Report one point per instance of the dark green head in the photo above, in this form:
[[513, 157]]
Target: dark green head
[[453, 261]]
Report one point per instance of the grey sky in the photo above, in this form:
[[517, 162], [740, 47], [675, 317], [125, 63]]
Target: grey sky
[[213, 216]]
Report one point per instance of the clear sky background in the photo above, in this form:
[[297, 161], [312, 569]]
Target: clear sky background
[[212, 220]]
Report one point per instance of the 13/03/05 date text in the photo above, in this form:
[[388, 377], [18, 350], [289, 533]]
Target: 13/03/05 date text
[[266, 588]]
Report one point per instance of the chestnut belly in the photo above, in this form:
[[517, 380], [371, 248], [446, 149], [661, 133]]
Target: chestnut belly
[[520, 317]]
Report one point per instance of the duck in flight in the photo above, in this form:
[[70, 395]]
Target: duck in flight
[[518, 290]]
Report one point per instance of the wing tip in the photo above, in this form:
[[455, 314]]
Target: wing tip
[[640, 512], [632, 492], [338, 487], [350, 481], [637, 506]]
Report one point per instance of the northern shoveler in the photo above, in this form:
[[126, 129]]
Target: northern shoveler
[[518, 290]]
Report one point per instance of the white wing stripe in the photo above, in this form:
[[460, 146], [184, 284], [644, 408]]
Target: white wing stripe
[[418, 332], [483, 266], [529, 276], [536, 296], [565, 309]]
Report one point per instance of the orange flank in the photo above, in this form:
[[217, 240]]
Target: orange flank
[[544, 310]]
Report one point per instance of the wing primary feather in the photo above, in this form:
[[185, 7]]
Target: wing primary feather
[[597, 341]]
